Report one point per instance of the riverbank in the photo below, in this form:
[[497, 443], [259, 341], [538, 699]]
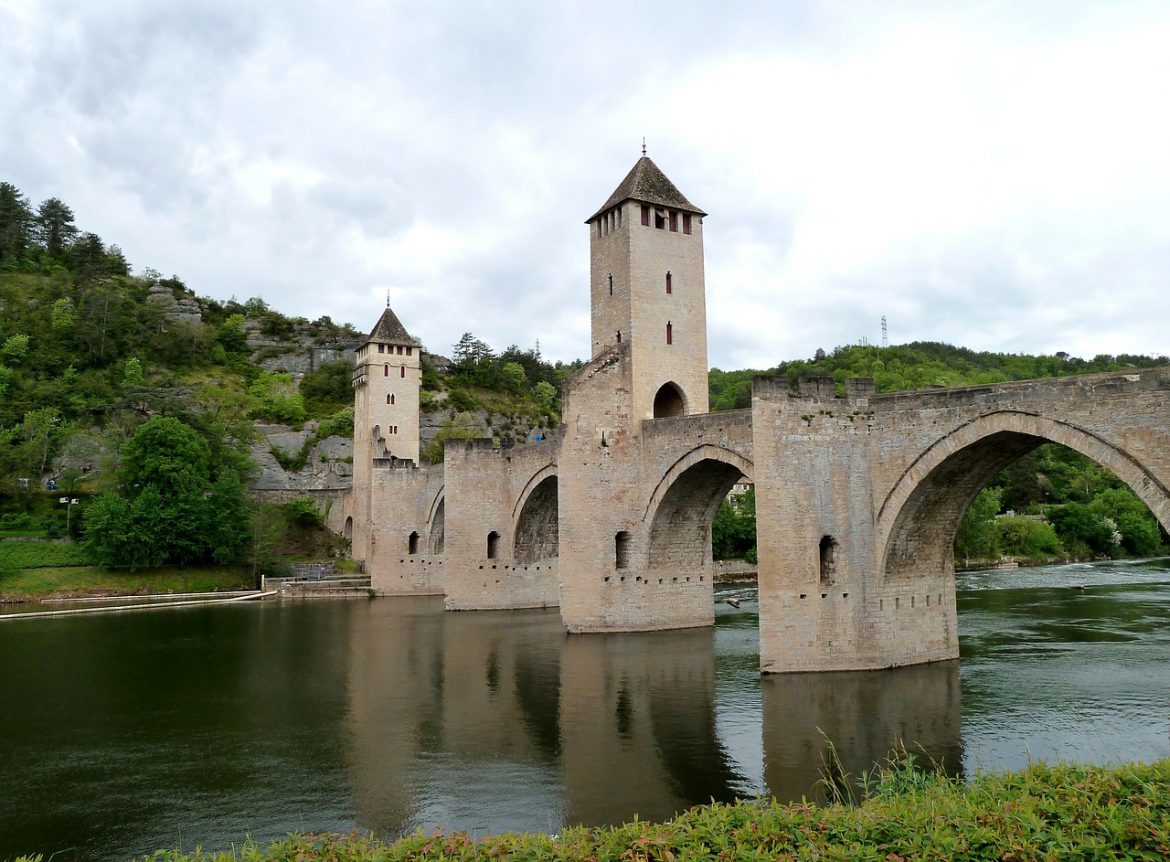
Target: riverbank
[[19, 586], [1039, 813]]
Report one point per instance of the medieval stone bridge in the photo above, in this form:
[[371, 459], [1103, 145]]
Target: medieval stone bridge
[[858, 497]]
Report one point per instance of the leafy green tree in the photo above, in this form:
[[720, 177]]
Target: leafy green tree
[[62, 315], [546, 394], [166, 454], [132, 372], [513, 375], [1083, 531], [55, 227], [15, 223], [1138, 527], [1023, 536], [15, 348], [977, 536], [277, 399], [40, 430], [328, 388]]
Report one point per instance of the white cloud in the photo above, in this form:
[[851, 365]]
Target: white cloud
[[992, 175]]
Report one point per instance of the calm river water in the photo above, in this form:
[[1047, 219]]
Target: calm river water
[[168, 728]]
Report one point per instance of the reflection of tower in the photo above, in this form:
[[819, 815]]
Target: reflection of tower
[[647, 290], [638, 726], [863, 716]]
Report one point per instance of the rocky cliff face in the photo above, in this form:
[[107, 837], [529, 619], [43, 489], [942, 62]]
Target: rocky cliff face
[[328, 465], [297, 354]]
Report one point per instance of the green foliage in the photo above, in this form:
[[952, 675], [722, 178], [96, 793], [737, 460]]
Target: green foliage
[[546, 395], [61, 317], [733, 532], [1023, 536], [978, 536], [40, 554], [303, 512], [178, 504], [1040, 813], [132, 374], [1085, 531], [1135, 523], [328, 389], [513, 376], [277, 399], [15, 348]]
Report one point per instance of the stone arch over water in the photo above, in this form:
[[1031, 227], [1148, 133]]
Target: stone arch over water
[[684, 504], [918, 519]]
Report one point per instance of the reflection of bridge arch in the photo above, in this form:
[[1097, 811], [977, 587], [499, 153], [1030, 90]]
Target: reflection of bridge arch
[[436, 523], [536, 518], [918, 519], [684, 504]]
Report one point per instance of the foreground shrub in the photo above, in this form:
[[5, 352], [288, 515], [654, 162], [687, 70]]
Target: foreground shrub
[[1042, 813]]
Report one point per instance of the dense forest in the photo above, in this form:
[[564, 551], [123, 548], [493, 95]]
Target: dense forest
[[148, 416]]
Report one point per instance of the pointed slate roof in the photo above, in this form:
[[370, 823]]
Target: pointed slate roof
[[646, 183], [390, 329]]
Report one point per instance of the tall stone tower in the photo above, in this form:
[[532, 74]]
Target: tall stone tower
[[647, 291], [387, 376]]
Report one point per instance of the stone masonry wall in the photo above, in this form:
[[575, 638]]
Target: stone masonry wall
[[887, 478]]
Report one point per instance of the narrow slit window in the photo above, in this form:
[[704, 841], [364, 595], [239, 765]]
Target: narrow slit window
[[686, 223], [828, 554], [619, 336], [669, 332], [645, 216], [386, 370], [388, 399], [621, 550], [391, 397], [609, 279], [401, 370], [674, 221], [493, 545], [669, 283]]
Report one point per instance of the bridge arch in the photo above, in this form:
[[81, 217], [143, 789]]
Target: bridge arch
[[684, 503], [436, 523], [918, 519], [536, 534]]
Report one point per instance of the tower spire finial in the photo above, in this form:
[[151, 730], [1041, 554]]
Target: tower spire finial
[[387, 297], [643, 145]]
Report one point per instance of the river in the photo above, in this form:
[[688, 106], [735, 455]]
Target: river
[[181, 727]]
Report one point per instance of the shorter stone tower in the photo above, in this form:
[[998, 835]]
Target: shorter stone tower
[[386, 379]]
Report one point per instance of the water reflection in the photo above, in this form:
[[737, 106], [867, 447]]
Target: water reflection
[[126, 733], [863, 716]]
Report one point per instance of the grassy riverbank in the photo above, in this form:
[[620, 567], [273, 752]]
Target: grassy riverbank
[[1041, 813], [30, 585]]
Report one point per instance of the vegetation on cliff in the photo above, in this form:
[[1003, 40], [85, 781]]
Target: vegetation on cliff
[[1041, 813]]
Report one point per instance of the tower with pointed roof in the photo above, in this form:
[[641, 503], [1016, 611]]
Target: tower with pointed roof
[[648, 292], [387, 377]]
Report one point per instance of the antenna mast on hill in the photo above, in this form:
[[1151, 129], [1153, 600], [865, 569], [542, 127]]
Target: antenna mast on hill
[[885, 333]]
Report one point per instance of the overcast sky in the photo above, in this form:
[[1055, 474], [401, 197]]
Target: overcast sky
[[993, 175]]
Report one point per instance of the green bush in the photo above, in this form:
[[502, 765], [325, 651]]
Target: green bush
[[1021, 536]]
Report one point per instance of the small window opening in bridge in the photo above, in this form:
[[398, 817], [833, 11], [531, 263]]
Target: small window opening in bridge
[[493, 545], [621, 550], [412, 543], [392, 398], [828, 559], [660, 219], [402, 371], [669, 282], [381, 348], [386, 370], [619, 336], [609, 280], [388, 397], [669, 332], [408, 351], [687, 223], [674, 221], [399, 349], [645, 215]]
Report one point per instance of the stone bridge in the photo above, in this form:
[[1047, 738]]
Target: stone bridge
[[858, 500]]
